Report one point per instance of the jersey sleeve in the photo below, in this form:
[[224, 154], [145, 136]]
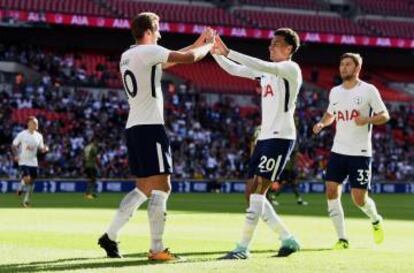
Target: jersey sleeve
[[17, 140], [330, 109], [376, 101], [284, 69], [236, 69], [155, 54]]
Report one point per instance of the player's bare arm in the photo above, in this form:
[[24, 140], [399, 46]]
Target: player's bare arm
[[205, 36], [326, 120], [190, 56], [15, 151], [378, 119]]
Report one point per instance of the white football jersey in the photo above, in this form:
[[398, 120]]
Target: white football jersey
[[279, 94], [141, 72], [29, 145], [345, 105], [279, 91]]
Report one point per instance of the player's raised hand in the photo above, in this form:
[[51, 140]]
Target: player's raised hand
[[220, 47], [204, 37], [210, 35], [317, 128]]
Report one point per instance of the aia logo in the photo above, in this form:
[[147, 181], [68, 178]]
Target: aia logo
[[30, 148], [347, 115], [268, 91]]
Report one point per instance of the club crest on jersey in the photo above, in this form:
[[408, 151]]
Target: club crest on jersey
[[358, 100], [347, 115]]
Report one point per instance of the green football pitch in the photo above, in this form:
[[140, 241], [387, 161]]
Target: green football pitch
[[59, 234]]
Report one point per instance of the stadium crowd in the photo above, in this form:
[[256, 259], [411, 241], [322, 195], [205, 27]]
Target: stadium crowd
[[208, 141], [62, 67]]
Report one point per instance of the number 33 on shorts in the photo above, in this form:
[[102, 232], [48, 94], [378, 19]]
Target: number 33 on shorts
[[364, 176]]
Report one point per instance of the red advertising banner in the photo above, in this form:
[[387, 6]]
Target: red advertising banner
[[105, 22]]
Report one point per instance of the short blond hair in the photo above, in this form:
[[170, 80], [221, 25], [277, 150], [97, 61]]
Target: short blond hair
[[32, 118], [355, 57]]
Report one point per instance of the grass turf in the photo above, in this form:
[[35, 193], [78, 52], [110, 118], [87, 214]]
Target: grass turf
[[59, 234]]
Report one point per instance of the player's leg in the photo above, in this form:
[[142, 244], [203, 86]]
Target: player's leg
[[295, 189], [279, 153], [274, 191], [275, 223], [336, 213], [335, 174], [367, 205], [158, 187], [267, 162], [22, 186], [129, 204], [24, 190], [24, 180], [27, 199], [360, 180], [256, 189], [141, 162], [91, 184]]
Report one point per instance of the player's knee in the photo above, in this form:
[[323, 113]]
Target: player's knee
[[332, 193], [27, 180], [359, 200]]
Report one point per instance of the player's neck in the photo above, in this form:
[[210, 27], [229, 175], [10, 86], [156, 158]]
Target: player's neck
[[349, 84], [143, 42], [282, 60], [31, 131]]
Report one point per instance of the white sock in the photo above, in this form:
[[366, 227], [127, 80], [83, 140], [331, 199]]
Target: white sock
[[126, 210], [157, 212], [253, 214], [28, 193], [336, 212], [370, 210], [22, 184], [273, 220]]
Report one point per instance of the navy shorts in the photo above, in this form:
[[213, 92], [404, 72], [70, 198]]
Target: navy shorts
[[29, 171], [356, 168], [269, 158], [149, 151]]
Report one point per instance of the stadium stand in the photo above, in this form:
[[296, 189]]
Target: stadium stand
[[86, 7], [301, 22], [291, 4], [205, 13], [181, 13], [391, 28], [397, 8], [201, 74]]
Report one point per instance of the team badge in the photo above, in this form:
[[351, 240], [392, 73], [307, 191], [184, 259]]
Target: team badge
[[358, 100]]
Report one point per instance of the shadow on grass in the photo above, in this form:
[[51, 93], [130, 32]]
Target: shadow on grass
[[135, 259]]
